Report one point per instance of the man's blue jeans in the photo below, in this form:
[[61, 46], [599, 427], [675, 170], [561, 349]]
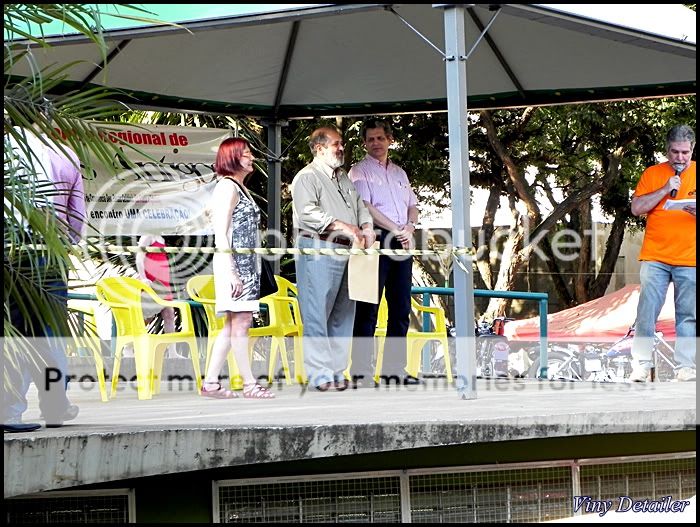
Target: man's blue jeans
[[326, 309], [655, 278]]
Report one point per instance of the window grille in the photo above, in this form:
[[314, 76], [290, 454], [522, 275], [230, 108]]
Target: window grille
[[509, 493], [71, 507]]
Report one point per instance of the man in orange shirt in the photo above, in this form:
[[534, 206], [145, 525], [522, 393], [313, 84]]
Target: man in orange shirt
[[667, 255]]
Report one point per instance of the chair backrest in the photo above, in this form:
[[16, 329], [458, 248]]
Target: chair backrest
[[283, 307], [439, 322], [201, 289], [120, 291], [437, 311], [123, 295], [285, 287]]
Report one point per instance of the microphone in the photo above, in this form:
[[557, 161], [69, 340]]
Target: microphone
[[678, 167]]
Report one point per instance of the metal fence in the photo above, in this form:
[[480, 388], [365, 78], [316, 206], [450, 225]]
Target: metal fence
[[93, 506], [509, 493]]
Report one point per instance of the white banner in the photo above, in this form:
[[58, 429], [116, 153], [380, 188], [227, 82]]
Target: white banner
[[167, 197]]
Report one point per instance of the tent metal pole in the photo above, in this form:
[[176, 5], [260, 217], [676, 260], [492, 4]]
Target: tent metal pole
[[455, 44], [274, 184]]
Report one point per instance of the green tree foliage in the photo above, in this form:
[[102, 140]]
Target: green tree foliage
[[568, 156], [32, 230]]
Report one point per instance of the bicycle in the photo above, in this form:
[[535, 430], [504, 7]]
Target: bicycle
[[491, 345], [599, 363]]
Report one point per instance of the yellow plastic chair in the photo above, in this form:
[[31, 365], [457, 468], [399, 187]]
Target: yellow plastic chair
[[123, 295], [200, 288], [283, 312], [415, 340], [84, 335], [284, 321]]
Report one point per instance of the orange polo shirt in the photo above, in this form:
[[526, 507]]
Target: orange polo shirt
[[670, 234]]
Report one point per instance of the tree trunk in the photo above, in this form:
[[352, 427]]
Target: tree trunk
[[582, 277], [612, 251], [511, 261], [485, 238]]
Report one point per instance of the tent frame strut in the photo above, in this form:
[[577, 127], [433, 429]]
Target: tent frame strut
[[291, 44], [100, 67], [496, 50]]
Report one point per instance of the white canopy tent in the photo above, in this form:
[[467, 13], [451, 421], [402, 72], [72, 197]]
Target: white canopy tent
[[364, 58], [391, 58]]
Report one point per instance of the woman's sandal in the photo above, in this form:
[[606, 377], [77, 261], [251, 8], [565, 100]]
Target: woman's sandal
[[255, 391], [218, 393]]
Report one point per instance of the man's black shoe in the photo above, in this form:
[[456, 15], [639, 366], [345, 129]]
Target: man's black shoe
[[389, 380], [20, 427], [410, 380], [324, 387], [342, 385], [70, 414], [364, 383]]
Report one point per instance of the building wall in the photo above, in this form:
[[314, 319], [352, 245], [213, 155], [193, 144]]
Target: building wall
[[188, 496]]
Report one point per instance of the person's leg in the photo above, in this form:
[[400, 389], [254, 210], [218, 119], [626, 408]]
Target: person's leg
[[15, 383], [168, 316], [340, 320], [684, 299], [240, 324], [398, 298], [15, 365], [51, 378], [363, 340], [219, 351], [364, 326], [211, 386], [317, 292], [655, 278]]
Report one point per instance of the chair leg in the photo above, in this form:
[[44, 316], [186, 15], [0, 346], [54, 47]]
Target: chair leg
[[380, 360], [143, 359], [414, 349], [119, 349], [299, 370], [278, 346], [100, 367], [207, 356], [157, 371], [194, 354], [235, 377], [448, 361]]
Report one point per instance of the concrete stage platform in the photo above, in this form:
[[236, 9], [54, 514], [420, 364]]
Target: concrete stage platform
[[178, 431]]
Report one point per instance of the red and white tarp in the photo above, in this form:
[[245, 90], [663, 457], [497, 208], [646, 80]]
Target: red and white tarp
[[605, 319]]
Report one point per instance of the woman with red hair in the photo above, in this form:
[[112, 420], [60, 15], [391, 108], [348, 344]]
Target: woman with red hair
[[235, 218]]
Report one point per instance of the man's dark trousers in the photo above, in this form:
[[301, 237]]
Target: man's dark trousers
[[395, 278], [47, 368]]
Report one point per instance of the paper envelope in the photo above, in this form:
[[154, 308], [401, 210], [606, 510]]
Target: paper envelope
[[363, 276]]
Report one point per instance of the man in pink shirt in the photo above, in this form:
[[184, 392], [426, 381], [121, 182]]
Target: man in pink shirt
[[388, 195], [69, 199]]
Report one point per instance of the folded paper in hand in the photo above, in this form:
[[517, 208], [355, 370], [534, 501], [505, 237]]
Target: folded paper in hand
[[363, 276], [678, 204]]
